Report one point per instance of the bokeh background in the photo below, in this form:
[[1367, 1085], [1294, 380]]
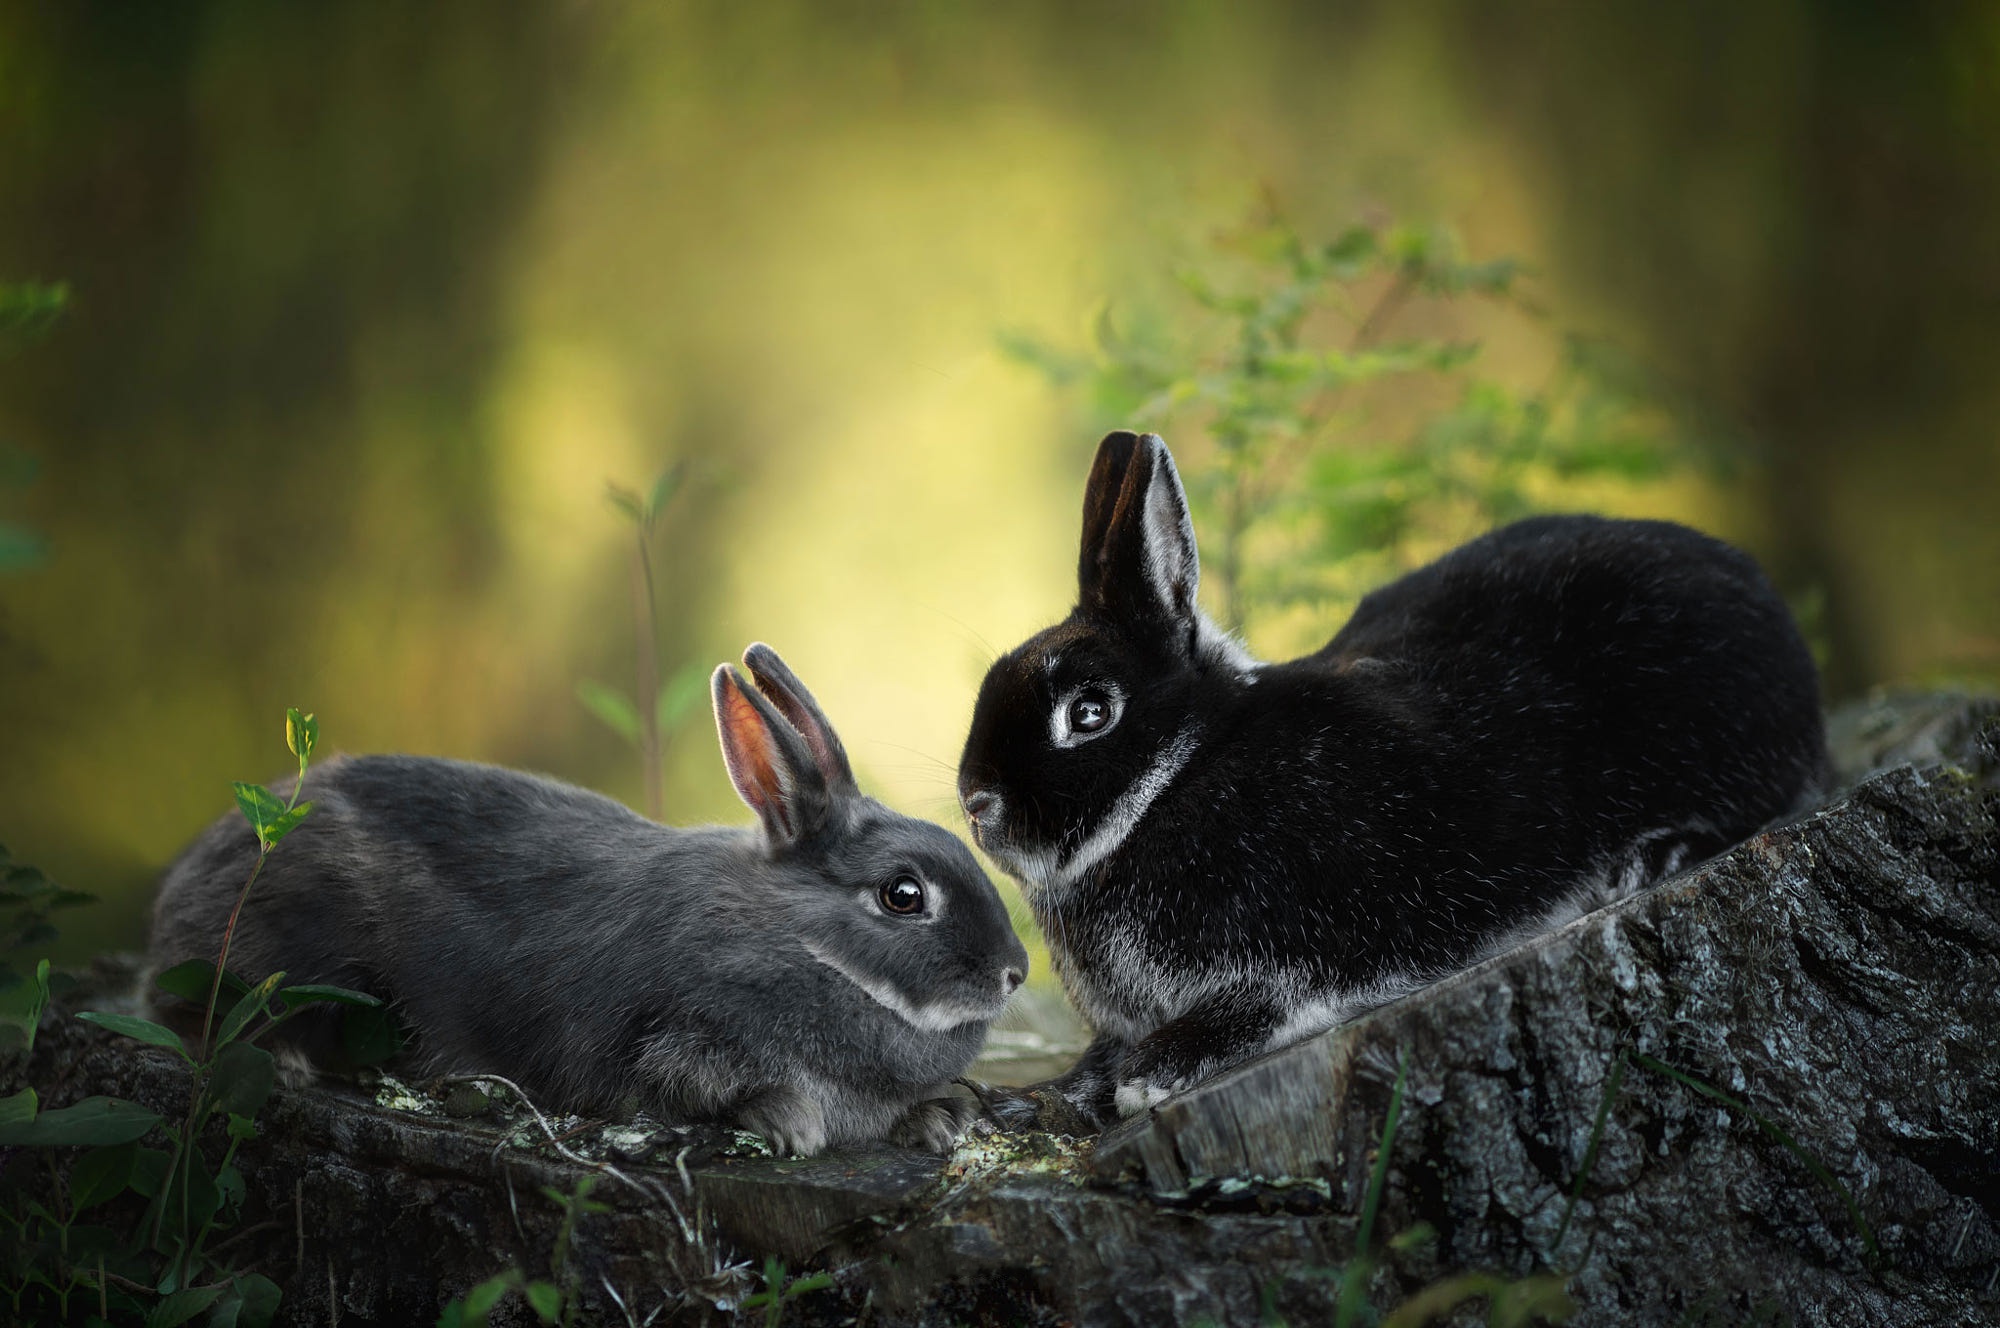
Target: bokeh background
[[369, 303]]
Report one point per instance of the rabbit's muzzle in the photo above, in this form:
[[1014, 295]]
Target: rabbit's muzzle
[[983, 810]]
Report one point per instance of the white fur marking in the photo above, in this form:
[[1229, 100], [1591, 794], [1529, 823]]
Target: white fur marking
[[1125, 813], [1134, 1097], [933, 1018]]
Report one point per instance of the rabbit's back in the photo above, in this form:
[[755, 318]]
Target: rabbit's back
[[463, 893], [1651, 669]]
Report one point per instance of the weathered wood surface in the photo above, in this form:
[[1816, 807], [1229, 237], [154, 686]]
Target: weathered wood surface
[[1840, 976]]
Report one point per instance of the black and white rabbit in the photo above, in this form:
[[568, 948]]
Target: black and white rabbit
[[819, 979], [1227, 856]]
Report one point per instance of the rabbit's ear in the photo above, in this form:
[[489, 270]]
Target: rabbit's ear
[[792, 699], [768, 761], [1100, 498], [1138, 562]]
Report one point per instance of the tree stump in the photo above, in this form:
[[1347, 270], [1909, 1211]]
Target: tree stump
[[1768, 1086]]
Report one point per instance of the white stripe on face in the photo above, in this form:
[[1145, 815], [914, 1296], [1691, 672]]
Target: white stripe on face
[[1131, 806], [932, 1017]]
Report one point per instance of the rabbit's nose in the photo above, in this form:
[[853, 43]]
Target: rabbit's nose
[[1010, 981], [978, 803]]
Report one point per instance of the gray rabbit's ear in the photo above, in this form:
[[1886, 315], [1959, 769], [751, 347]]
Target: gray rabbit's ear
[[1138, 563], [768, 761], [790, 696]]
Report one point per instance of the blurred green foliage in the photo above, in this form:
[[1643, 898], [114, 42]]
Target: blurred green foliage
[[650, 726], [27, 311], [1327, 469], [369, 299]]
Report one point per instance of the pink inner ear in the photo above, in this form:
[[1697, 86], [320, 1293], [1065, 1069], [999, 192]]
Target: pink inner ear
[[750, 753]]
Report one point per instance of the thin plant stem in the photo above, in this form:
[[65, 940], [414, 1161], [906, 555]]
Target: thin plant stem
[[645, 618], [228, 934]]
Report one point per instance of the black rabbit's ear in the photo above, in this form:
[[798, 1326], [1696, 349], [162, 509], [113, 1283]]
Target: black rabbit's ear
[[1100, 498], [1138, 562], [790, 696], [768, 761]]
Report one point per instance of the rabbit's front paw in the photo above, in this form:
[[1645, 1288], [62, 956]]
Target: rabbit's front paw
[[792, 1123], [934, 1124], [1145, 1081], [1212, 1037], [1157, 1069]]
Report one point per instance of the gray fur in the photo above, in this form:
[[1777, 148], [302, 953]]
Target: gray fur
[[531, 929]]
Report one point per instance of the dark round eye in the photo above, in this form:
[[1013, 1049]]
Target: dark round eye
[[905, 894], [1090, 712]]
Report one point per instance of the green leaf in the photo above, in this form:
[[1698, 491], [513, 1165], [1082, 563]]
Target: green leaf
[[260, 1297], [626, 501], [315, 993], [30, 308], [227, 1310], [242, 1129], [149, 1171], [287, 822], [479, 1301], [370, 1035], [664, 488], [19, 1108], [611, 706], [203, 1199], [143, 1030], [101, 1174], [181, 1306], [261, 807], [679, 695], [255, 1002], [545, 1300], [21, 1009], [191, 982], [301, 735], [95, 1120], [243, 1078]]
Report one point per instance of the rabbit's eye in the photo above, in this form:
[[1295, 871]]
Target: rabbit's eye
[[1090, 712], [905, 894]]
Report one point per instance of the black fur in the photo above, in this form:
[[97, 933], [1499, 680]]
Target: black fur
[[1561, 710]]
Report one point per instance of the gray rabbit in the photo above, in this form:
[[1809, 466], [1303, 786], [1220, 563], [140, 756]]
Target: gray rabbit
[[819, 979]]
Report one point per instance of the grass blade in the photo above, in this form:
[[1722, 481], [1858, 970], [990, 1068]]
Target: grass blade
[[1614, 1078], [1354, 1278], [1777, 1133]]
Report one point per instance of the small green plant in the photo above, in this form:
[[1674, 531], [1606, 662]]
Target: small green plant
[[160, 1268], [28, 900], [780, 1290], [1354, 1277], [647, 726], [553, 1300], [1338, 453]]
